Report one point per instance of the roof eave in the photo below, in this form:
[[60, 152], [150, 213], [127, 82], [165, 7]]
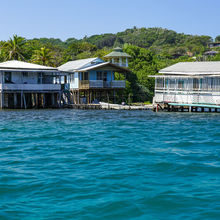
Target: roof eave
[[123, 69], [187, 73], [28, 69]]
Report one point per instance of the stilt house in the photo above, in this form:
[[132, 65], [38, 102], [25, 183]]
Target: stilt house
[[189, 83], [26, 85], [93, 80]]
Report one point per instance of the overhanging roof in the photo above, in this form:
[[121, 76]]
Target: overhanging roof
[[72, 66], [20, 65], [193, 68], [105, 65]]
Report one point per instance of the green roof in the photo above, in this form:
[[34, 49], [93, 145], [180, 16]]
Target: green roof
[[117, 52]]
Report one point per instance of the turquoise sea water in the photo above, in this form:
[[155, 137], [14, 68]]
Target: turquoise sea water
[[71, 164]]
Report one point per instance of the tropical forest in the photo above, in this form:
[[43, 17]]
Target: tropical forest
[[151, 49]]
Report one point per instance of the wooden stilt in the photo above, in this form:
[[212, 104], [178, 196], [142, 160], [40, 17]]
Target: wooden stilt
[[15, 100], [43, 100], [190, 109], [33, 100], [39, 99], [59, 99], [90, 97], [25, 105], [52, 99], [74, 97], [2, 99], [21, 99], [36, 100], [78, 97]]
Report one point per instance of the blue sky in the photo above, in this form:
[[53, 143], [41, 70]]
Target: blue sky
[[76, 18]]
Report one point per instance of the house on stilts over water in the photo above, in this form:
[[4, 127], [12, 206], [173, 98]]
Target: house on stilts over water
[[27, 85], [188, 86], [93, 80]]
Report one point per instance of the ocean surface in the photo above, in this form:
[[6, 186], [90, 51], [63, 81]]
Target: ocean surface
[[74, 164]]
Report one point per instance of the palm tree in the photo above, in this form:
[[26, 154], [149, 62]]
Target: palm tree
[[43, 56], [14, 48]]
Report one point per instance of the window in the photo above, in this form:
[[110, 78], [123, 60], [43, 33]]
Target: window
[[180, 84], [172, 83], [195, 84], [217, 84], [102, 75], [105, 76], [203, 83], [8, 77], [99, 75], [86, 76], [159, 83], [166, 83], [25, 74], [40, 77]]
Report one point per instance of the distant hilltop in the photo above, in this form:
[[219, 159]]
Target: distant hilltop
[[155, 39], [142, 37]]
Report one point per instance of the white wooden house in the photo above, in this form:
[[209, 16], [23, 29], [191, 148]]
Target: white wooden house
[[193, 83], [27, 85]]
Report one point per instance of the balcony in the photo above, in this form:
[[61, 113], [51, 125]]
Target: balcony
[[100, 84], [88, 84], [118, 84], [31, 87]]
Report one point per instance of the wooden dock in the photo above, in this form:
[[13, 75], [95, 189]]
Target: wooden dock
[[183, 107], [105, 105], [83, 106], [108, 106]]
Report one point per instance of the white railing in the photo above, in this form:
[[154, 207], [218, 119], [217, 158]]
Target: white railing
[[118, 84], [30, 87]]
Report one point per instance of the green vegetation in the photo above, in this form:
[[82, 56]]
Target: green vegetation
[[151, 49]]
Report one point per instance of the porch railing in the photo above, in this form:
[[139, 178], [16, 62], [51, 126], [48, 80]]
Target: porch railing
[[88, 84], [30, 87], [118, 84]]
